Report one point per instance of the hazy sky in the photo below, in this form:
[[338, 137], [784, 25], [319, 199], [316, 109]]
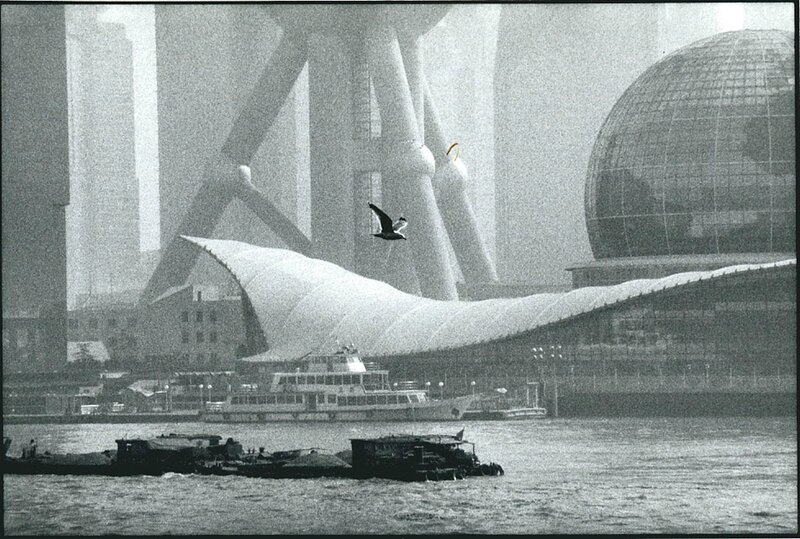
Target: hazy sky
[[140, 23]]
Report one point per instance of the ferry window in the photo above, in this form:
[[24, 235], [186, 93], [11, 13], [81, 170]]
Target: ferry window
[[298, 399], [362, 400], [262, 399], [331, 399], [329, 380], [291, 379], [271, 399], [350, 401], [235, 400], [281, 399], [408, 398], [371, 399], [320, 399], [382, 399], [337, 379], [394, 399], [414, 398]]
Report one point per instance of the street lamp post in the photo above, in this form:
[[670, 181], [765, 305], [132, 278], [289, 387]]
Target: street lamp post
[[441, 390], [166, 398], [201, 396], [472, 385]]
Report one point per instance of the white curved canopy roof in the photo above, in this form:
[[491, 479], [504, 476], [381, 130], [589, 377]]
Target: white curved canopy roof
[[305, 305]]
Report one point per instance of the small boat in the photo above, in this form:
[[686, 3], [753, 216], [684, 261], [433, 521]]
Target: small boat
[[335, 387], [502, 407]]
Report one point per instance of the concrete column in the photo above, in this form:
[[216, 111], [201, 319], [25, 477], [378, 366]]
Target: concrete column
[[267, 98], [411, 50], [330, 137], [406, 156], [178, 259], [450, 183], [222, 179]]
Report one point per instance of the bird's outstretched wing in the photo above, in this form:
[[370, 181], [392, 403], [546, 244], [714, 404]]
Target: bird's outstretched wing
[[399, 225], [386, 221]]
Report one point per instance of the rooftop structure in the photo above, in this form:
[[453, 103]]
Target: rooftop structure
[[305, 305]]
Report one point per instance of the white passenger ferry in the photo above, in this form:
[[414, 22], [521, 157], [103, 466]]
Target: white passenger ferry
[[335, 387]]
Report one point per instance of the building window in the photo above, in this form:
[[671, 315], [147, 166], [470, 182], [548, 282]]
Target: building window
[[200, 336], [185, 316], [201, 358], [212, 336], [112, 342], [212, 316], [93, 323], [73, 324], [199, 316], [132, 321], [185, 337], [112, 322]]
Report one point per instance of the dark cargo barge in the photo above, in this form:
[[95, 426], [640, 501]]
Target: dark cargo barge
[[404, 457]]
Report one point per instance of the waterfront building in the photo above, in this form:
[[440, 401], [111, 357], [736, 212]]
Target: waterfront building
[[193, 326], [731, 330], [117, 325]]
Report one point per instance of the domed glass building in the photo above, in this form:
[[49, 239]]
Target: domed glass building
[[697, 157]]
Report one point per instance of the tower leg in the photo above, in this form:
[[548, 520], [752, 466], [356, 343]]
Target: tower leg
[[221, 178], [451, 195], [409, 163]]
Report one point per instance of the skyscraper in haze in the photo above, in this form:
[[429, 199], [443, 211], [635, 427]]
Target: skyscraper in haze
[[103, 218]]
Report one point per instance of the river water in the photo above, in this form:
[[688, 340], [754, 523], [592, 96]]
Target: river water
[[565, 476]]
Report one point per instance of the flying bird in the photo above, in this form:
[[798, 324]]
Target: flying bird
[[389, 230]]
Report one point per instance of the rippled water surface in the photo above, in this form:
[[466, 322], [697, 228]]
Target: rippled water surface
[[698, 475]]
